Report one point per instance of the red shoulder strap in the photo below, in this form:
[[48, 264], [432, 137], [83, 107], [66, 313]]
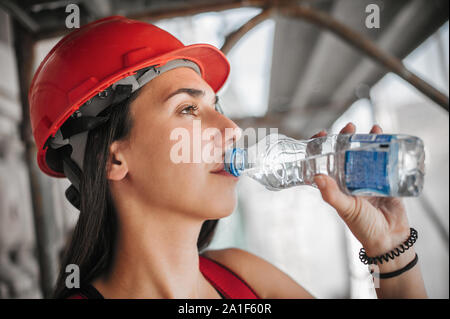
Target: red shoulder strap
[[225, 280], [77, 296]]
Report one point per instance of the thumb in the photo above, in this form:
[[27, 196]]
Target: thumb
[[331, 193]]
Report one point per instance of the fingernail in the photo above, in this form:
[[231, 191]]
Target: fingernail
[[320, 181]]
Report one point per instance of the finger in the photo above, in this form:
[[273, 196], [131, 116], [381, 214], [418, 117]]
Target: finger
[[348, 129], [343, 203], [321, 133], [376, 129]]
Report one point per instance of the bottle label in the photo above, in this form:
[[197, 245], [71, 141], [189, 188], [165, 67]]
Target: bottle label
[[371, 138], [366, 172]]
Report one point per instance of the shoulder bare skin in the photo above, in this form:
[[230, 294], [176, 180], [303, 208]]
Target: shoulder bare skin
[[266, 279]]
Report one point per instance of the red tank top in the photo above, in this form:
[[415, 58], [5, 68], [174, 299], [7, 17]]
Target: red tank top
[[228, 284]]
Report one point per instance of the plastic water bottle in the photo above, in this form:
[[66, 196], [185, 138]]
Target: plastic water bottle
[[362, 164]]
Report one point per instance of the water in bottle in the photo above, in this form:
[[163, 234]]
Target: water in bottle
[[361, 164]]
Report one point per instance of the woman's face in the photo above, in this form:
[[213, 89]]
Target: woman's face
[[169, 165]]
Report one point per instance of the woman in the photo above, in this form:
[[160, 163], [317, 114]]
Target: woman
[[104, 105]]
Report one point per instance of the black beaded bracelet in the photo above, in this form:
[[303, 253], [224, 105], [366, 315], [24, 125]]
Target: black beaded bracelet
[[392, 254]]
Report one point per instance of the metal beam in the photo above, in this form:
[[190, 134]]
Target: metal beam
[[392, 40], [20, 15], [366, 46], [153, 14], [98, 8], [287, 122], [235, 36], [325, 71]]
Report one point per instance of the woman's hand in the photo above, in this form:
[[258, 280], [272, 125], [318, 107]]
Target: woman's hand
[[379, 223]]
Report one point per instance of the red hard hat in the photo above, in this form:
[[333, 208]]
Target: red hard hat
[[92, 58]]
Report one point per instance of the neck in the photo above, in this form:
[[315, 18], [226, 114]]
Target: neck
[[156, 255]]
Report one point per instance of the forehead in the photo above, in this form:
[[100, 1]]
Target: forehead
[[163, 85]]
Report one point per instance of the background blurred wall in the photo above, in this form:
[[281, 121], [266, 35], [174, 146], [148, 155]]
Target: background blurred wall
[[19, 266]]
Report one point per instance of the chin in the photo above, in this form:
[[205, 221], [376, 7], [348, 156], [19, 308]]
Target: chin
[[221, 207]]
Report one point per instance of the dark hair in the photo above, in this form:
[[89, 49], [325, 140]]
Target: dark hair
[[92, 243]]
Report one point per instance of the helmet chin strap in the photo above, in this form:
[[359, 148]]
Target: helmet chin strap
[[71, 138]]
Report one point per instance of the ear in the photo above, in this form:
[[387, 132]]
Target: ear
[[117, 167]]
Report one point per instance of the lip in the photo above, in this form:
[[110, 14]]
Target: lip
[[218, 169], [226, 174]]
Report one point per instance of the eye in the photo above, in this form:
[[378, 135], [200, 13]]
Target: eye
[[190, 109]]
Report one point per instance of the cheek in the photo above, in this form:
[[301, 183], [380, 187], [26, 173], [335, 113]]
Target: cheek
[[157, 177], [183, 186]]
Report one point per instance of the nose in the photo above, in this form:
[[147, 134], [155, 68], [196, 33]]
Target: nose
[[230, 132]]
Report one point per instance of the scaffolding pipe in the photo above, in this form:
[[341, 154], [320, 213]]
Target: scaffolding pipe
[[368, 47], [232, 38]]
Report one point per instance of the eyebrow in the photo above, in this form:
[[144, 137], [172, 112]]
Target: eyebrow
[[190, 91]]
